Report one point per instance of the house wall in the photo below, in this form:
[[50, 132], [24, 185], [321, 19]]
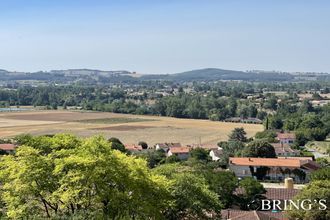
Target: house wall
[[164, 148], [244, 171], [183, 156], [286, 154], [214, 158], [240, 171], [287, 140]]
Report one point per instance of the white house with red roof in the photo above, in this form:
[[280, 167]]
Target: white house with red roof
[[279, 168], [181, 152], [286, 138]]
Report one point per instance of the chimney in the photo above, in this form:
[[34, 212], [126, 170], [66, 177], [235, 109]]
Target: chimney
[[288, 183]]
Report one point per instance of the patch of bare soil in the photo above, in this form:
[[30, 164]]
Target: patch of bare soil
[[123, 128]]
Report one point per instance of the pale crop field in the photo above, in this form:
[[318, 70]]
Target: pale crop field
[[130, 129]]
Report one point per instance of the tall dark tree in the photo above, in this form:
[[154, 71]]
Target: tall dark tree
[[238, 134], [259, 148]]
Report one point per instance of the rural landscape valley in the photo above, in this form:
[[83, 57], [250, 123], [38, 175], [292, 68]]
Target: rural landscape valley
[[164, 110]]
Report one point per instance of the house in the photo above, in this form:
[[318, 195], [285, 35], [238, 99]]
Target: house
[[166, 146], [234, 214], [8, 148], [285, 150], [181, 152], [215, 154], [161, 146], [133, 147], [275, 193], [279, 168], [286, 138]]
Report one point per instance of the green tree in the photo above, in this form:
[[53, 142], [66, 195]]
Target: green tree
[[143, 144], [275, 122], [267, 135], [230, 149], [223, 183], [200, 154], [251, 187], [259, 148], [238, 134], [70, 176], [314, 192], [323, 162], [271, 103], [172, 159], [190, 193], [117, 144], [321, 174], [155, 158]]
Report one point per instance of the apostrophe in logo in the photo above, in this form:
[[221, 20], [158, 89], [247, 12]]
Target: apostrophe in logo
[[255, 203]]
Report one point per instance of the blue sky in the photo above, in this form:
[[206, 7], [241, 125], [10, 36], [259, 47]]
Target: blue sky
[[165, 36]]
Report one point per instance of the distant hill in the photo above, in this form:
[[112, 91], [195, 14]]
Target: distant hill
[[93, 77], [85, 76], [211, 74]]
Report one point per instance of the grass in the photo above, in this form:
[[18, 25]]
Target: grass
[[113, 120], [320, 146]]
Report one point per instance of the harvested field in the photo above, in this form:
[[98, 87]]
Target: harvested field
[[122, 128], [128, 128], [113, 120]]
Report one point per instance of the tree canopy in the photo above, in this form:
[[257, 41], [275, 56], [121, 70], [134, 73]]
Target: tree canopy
[[68, 176]]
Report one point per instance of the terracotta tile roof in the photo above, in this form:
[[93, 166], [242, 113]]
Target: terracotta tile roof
[[251, 215], [205, 146], [174, 145], [309, 164], [293, 162], [268, 162], [167, 145], [297, 158], [133, 147], [274, 193], [7, 147], [180, 150], [283, 148], [286, 136], [280, 193]]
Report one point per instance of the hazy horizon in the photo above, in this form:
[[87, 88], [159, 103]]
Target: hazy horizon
[[137, 72], [159, 37]]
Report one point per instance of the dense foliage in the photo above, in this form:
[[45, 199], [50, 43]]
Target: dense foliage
[[63, 176], [66, 176]]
